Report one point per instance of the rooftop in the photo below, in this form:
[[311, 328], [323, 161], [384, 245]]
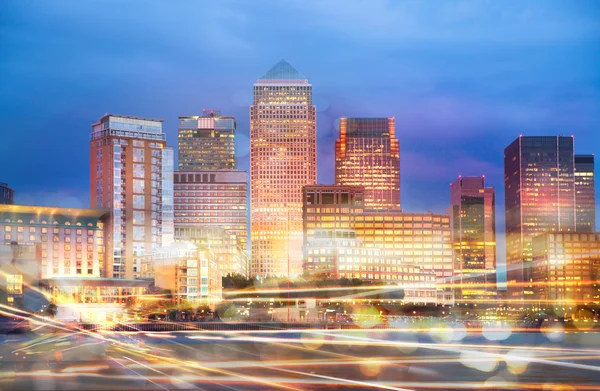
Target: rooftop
[[52, 210], [283, 71], [129, 117]]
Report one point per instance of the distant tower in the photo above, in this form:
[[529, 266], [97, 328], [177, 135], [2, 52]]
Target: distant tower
[[206, 142], [282, 160], [7, 195], [585, 197], [367, 154], [473, 220], [131, 174], [539, 188]]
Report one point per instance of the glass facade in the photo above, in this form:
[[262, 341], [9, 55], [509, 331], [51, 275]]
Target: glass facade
[[282, 160], [473, 220], [585, 196], [168, 222], [206, 142], [367, 154], [539, 185]]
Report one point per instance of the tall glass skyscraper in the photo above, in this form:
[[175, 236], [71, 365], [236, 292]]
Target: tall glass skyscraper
[[585, 195], [206, 142], [367, 154], [282, 160], [539, 187], [131, 174], [473, 220]]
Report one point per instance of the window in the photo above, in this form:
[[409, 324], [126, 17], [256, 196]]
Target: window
[[138, 155], [139, 186]]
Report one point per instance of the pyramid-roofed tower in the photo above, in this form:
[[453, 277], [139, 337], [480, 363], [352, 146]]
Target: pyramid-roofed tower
[[282, 161], [282, 71]]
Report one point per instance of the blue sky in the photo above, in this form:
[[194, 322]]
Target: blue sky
[[462, 78]]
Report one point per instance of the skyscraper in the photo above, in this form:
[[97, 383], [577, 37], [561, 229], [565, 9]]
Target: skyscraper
[[539, 186], [206, 142], [473, 221], [131, 172], [282, 160], [367, 154], [585, 197]]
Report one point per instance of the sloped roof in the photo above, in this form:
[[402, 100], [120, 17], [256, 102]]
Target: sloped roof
[[283, 71]]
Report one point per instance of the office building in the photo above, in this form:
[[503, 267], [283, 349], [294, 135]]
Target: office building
[[339, 254], [367, 154], [539, 188], [206, 142], [130, 172], [415, 239], [585, 196], [211, 209], [473, 221], [566, 270], [282, 160], [190, 272], [7, 195], [71, 241]]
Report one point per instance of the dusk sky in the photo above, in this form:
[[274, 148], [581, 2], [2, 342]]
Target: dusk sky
[[462, 78]]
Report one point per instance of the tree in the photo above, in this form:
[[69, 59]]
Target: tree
[[51, 310], [237, 281]]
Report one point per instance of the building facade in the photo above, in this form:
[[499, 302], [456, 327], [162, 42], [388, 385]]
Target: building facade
[[585, 195], [368, 154], [473, 221], [339, 254], [20, 274], [282, 160], [7, 195], [71, 240], [211, 208], [539, 188], [189, 271], [206, 142], [413, 239], [131, 174], [566, 269]]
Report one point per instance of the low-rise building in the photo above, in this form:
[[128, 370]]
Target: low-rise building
[[339, 254], [566, 268], [20, 275], [190, 272], [72, 240], [411, 238]]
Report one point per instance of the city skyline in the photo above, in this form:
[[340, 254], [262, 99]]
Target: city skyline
[[514, 86], [253, 195]]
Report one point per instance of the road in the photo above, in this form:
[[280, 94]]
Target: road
[[403, 359]]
